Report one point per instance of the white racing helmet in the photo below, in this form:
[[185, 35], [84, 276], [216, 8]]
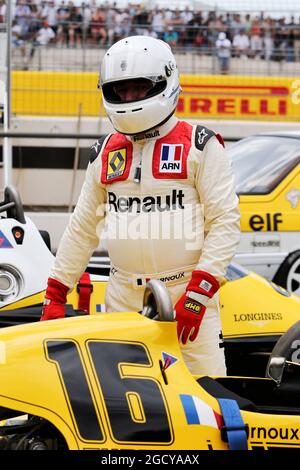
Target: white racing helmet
[[140, 58]]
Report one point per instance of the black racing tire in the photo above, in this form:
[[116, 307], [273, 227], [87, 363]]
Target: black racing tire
[[287, 273], [16, 211], [282, 352]]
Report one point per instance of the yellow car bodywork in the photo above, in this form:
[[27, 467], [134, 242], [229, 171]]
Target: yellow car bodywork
[[267, 173], [272, 212], [250, 306], [99, 381]]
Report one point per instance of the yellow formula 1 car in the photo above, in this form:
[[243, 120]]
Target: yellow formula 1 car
[[118, 381], [254, 311]]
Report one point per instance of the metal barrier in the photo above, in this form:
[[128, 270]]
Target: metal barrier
[[261, 46], [191, 60]]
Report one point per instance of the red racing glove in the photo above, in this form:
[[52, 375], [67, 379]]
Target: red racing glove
[[55, 299], [191, 307]]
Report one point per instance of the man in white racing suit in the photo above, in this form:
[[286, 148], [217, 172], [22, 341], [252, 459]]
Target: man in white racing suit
[[164, 189]]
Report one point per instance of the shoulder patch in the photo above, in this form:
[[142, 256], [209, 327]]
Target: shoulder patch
[[116, 159], [96, 147], [202, 136]]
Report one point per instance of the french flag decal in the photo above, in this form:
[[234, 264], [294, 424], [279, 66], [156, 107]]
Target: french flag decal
[[100, 308], [198, 412], [168, 359], [142, 281], [171, 158]]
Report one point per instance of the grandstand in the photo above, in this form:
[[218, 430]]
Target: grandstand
[[59, 36]]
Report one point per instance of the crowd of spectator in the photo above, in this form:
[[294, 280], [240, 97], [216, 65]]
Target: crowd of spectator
[[101, 24]]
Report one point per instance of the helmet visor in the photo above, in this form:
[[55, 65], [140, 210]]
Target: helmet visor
[[135, 89]]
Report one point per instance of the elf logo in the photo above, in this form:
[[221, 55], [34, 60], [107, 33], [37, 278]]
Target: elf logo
[[269, 222], [192, 306]]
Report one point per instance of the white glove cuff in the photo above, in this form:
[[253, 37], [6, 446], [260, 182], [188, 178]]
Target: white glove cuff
[[202, 299]]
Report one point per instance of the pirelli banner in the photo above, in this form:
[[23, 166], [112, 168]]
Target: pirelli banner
[[206, 96], [240, 97]]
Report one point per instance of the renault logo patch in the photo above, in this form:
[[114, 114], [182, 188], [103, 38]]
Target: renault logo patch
[[116, 163], [293, 196]]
